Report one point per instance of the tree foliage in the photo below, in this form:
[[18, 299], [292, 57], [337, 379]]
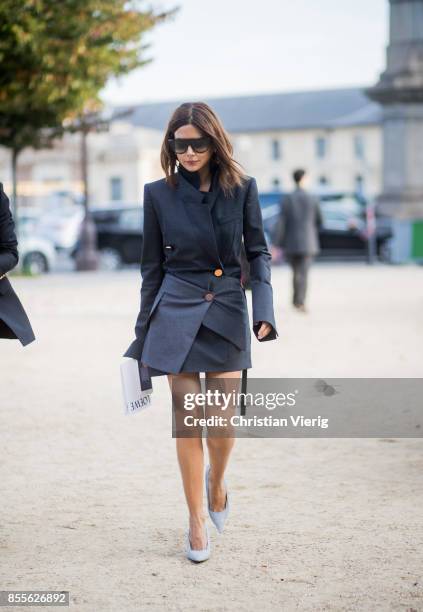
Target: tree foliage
[[56, 56]]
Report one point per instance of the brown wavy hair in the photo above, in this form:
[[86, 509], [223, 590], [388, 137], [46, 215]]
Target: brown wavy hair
[[204, 119]]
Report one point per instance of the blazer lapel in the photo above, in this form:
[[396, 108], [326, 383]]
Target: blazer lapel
[[200, 212], [215, 192], [191, 193]]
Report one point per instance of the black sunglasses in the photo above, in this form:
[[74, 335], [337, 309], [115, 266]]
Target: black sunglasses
[[199, 145]]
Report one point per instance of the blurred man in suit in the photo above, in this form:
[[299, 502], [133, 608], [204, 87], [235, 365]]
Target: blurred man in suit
[[297, 233]]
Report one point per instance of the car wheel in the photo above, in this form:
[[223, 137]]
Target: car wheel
[[110, 259], [35, 263]]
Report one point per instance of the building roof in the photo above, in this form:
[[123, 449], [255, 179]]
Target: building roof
[[280, 111]]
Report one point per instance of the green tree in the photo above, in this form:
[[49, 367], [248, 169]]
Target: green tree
[[56, 56]]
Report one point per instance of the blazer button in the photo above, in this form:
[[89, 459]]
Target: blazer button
[[218, 272], [209, 297]]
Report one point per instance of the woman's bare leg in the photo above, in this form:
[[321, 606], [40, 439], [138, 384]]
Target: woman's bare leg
[[220, 444], [190, 454]]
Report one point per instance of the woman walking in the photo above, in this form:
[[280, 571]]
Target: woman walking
[[14, 323], [193, 316]]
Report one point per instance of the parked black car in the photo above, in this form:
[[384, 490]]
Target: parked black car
[[346, 224], [119, 235]]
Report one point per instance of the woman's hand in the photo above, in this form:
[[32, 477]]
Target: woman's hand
[[265, 328]]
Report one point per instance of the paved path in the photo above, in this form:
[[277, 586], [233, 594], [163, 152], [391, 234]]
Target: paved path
[[92, 501]]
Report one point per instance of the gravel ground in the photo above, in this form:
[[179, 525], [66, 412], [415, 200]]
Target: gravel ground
[[92, 500]]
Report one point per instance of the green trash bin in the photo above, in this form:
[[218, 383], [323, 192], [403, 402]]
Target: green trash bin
[[406, 244], [417, 240]]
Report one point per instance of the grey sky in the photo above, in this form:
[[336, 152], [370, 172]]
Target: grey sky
[[234, 47]]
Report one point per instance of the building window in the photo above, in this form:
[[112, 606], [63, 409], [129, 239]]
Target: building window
[[359, 183], [276, 184], [359, 146], [116, 188], [321, 147], [276, 149]]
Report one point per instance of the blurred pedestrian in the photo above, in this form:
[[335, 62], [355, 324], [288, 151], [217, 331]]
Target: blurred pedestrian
[[297, 233], [14, 323]]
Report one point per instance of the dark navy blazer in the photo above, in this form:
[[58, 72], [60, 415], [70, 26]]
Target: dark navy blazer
[[14, 322], [191, 267]]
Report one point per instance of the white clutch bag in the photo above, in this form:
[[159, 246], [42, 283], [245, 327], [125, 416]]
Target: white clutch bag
[[136, 385]]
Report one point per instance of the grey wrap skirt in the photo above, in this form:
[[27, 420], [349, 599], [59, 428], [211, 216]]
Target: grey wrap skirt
[[206, 346], [211, 352]]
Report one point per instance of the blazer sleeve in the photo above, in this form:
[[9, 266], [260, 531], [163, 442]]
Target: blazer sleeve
[[152, 273], [8, 243], [259, 259]]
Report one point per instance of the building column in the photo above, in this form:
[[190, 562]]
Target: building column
[[400, 92]]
